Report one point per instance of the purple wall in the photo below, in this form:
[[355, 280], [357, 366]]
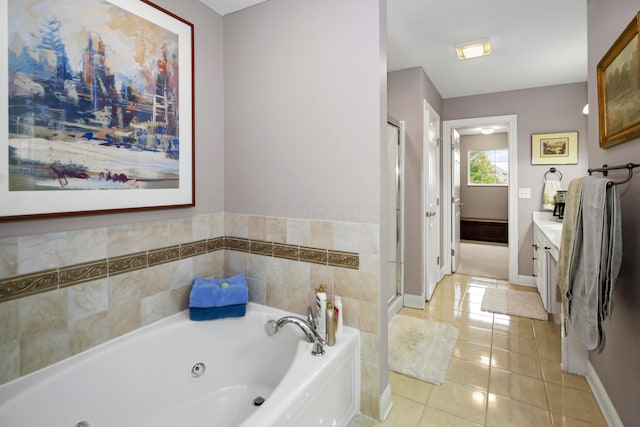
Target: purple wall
[[406, 91], [539, 110], [617, 365]]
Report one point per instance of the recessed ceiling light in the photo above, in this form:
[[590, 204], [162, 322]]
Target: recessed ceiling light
[[486, 131], [473, 49]]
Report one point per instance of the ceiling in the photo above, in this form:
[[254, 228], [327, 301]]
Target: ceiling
[[534, 43]]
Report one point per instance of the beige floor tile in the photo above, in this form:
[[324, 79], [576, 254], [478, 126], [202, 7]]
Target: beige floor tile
[[439, 314], [484, 320], [549, 350], [432, 417], [473, 352], [474, 334], [452, 290], [552, 372], [472, 307], [411, 388], [518, 387], [459, 400], [514, 327], [505, 319], [444, 302], [404, 413], [574, 403], [514, 343], [474, 297], [560, 420], [517, 363], [363, 421], [502, 412], [483, 281], [468, 373]]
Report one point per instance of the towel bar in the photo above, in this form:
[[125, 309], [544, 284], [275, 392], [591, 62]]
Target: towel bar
[[605, 172]]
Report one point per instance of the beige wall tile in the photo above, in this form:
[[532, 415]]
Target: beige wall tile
[[346, 236], [156, 307], [370, 377], [258, 228], [369, 321], [321, 234], [180, 273], [369, 348], [40, 252], [155, 234], [179, 299], [369, 239], [236, 225], [87, 299], [124, 317], [236, 262], [276, 230], [41, 349], [125, 288], [124, 240], [257, 268], [85, 245], [43, 312], [88, 332], [9, 321], [257, 290], [276, 295], [180, 230], [8, 257], [155, 280], [9, 360], [204, 265], [298, 232]]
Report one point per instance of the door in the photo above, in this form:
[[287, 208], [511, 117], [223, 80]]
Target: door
[[394, 234], [431, 198], [456, 203]]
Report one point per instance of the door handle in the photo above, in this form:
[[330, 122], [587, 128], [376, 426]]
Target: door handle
[[429, 214]]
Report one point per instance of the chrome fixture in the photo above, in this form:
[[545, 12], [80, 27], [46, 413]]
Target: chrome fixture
[[310, 332]]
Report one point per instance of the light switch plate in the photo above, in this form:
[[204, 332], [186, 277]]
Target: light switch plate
[[524, 193]]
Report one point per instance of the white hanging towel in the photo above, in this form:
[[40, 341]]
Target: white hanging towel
[[549, 193]]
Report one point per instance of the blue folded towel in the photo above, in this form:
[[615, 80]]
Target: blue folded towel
[[208, 293], [210, 313]]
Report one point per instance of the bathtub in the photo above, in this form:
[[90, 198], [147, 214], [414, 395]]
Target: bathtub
[[176, 372]]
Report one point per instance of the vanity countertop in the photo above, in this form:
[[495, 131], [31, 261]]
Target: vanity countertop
[[550, 226]]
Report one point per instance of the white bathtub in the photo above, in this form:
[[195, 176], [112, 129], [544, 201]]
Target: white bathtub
[[145, 378]]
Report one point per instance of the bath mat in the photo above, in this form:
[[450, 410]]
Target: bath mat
[[515, 303], [421, 348]]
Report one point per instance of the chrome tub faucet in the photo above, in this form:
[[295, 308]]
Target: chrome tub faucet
[[272, 327]]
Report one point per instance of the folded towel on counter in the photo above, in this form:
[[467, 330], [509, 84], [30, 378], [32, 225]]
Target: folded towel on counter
[[210, 313], [207, 293], [549, 194]]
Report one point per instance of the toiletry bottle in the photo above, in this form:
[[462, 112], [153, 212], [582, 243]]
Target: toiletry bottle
[[331, 324], [337, 308], [321, 310]]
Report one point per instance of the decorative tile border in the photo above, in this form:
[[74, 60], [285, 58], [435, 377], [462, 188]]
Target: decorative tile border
[[48, 280]]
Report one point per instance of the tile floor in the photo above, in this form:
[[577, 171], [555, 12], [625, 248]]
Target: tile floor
[[505, 370]]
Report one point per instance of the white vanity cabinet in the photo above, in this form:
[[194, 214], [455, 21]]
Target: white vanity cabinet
[[546, 238], [547, 233]]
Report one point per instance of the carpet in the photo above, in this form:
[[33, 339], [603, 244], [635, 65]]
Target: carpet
[[515, 303], [421, 348], [484, 260]]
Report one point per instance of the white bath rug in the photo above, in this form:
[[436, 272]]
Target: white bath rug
[[515, 303], [421, 348]]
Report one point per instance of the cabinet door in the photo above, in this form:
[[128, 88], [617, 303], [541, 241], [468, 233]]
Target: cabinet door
[[540, 266]]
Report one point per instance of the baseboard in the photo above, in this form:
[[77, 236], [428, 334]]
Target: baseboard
[[385, 403], [414, 301], [606, 406], [526, 280]]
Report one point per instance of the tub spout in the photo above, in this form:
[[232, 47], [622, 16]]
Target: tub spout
[[310, 332]]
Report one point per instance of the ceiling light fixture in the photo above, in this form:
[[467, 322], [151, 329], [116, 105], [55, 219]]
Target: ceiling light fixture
[[585, 110], [486, 131], [473, 49]]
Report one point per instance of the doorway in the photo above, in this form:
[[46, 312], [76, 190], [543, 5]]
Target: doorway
[[451, 209], [394, 236], [431, 201]]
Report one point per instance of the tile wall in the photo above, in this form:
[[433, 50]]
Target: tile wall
[[62, 293]]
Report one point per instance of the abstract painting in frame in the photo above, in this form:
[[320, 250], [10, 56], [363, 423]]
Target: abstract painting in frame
[[618, 76], [96, 111], [559, 148]]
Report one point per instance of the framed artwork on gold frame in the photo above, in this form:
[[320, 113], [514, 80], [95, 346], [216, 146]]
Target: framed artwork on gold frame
[[618, 78]]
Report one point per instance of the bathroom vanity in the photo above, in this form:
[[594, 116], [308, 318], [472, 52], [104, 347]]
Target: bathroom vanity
[[547, 233]]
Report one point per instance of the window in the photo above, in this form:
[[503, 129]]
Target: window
[[489, 167]]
